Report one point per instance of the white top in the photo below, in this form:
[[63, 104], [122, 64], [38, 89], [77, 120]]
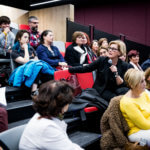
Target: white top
[[46, 134], [136, 66]]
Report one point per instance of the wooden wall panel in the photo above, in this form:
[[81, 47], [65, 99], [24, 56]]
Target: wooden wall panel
[[16, 15], [54, 18]]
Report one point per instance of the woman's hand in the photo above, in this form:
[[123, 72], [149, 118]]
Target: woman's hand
[[62, 64], [25, 46], [113, 68]]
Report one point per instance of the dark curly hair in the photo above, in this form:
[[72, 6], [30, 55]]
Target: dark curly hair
[[44, 33], [4, 19], [53, 96], [20, 34]]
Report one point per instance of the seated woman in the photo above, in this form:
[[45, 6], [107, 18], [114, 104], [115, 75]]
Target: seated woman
[[103, 42], [103, 51], [95, 48], [110, 72], [76, 54], [30, 70], [133, 56], [87, 43], [49, 53], [135, 107], [46, 130], [123, 57]]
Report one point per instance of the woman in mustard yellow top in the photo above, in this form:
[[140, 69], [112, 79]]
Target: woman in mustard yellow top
[[135, 107]]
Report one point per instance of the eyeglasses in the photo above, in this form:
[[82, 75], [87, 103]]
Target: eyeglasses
[[112, 48]]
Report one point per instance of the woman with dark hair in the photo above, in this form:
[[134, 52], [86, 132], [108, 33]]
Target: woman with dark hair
[[76, 54], [29, 70], [22, 51], [133, 56], [49, 53], [87, 43], [103, 51], [46, 130], [95, 48]]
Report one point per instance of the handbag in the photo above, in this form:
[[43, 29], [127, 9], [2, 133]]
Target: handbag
[[135, 146], [73, 81]]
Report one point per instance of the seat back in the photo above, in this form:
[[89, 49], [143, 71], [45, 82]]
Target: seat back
[[12, 137], [60, 45], [24, 27], [13, 64], [63, 54], [62, 74], [85, 80], [67, 44]]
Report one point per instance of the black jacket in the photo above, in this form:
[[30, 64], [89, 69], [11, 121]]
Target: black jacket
[[73, 57], [103, 72]]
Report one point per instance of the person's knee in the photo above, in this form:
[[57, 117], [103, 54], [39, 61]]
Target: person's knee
[[3, 119]]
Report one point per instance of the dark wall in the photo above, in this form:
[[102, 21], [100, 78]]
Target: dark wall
[[130, 19]]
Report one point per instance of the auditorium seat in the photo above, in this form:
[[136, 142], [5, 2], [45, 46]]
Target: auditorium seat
[[12, 137], [85, 80], [63, 54], [61, 74], [60, 45], [67, 44], [23, 27]]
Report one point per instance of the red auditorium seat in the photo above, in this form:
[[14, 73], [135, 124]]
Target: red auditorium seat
[[85, 80], [63, 54], [23, 27], [61, 74], [67, 44]]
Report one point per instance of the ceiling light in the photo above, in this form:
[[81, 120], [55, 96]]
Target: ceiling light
[[47, 2]]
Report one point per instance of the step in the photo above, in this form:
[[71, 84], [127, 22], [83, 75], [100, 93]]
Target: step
[[17, 93], [84, 139], [18, 123], [69, 121], [73, 123], [20, 110]]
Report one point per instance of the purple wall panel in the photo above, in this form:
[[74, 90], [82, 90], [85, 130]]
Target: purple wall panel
[[79, 16], [131, 19], [148, 25], [100, 17]]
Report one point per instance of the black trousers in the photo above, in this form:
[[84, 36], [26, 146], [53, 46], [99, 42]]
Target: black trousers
[[108, 94], [43, 78]]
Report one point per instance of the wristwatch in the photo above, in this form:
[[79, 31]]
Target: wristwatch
[[116, 74]]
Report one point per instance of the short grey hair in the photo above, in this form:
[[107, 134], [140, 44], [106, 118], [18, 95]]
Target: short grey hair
[[31, 18]]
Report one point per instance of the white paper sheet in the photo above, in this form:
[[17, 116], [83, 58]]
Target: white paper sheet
[[2, 96]]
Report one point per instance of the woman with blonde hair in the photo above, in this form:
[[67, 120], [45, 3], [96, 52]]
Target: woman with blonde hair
[[110, 72], [135, 107], [123, 57]]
